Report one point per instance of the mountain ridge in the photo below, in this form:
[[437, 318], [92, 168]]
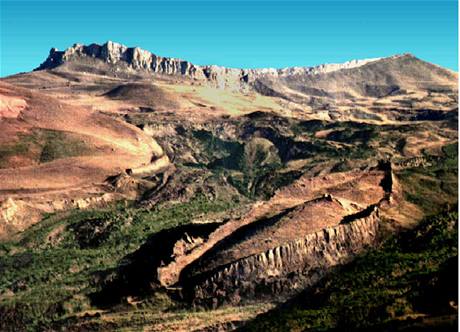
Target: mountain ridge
[[109, 51], [402, 71], [138, 58]]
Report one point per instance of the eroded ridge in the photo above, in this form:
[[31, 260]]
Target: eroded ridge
[[268, 263], [279, 246], [137, 58], [363, 187], [286, 269]]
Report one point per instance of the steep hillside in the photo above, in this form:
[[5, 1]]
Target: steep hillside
[[56, 156], [409, 284]]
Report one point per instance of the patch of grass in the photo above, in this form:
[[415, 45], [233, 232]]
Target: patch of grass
[[221, 153], [353, 136], [434, 186], [56, 145], [42, 145], [20, 148]]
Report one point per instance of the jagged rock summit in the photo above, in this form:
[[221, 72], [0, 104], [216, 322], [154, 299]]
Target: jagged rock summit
[[137, 58], [403, 71]]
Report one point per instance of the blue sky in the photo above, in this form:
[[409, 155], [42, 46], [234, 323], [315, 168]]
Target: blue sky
[[244, 34]]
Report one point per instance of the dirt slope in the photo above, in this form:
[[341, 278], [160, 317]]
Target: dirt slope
[[39, 155]]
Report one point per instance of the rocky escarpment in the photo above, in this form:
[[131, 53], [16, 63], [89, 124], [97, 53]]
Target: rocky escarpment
[[16, 215], [299, 262], [274, 249], [138, 59], [319, 87], [285, 269]]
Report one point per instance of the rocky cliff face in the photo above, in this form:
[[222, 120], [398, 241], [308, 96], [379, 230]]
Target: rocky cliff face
[[139, 59], [285, 269], [114, 53], [379, 89], [297, 263]]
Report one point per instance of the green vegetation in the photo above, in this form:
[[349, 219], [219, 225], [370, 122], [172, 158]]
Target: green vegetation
[[344, 143], [433, 186], [220, 153], [248, 166], [56, 265], [411, 279], [11, 150], [44, 145], [56, 145], [346, 136], [257, 165]]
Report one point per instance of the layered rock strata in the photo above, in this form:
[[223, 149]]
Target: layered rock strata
[[285, 269], [291, 266], [349, 185], [139, 59]]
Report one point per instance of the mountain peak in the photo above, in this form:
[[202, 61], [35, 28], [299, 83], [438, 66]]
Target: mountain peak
[[138, 58], [135, 59], [111, 50]]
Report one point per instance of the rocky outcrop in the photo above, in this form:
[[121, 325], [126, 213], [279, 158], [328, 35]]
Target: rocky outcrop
[[139, 59], [414, 162], [301, 191], [285, 269], [134, 57], [297, 263], [11, 107], [16, 215], [272, 250]]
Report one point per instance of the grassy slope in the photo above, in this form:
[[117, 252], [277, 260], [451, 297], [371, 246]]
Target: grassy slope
[[49, 273], [43, 145], [431, 187]]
